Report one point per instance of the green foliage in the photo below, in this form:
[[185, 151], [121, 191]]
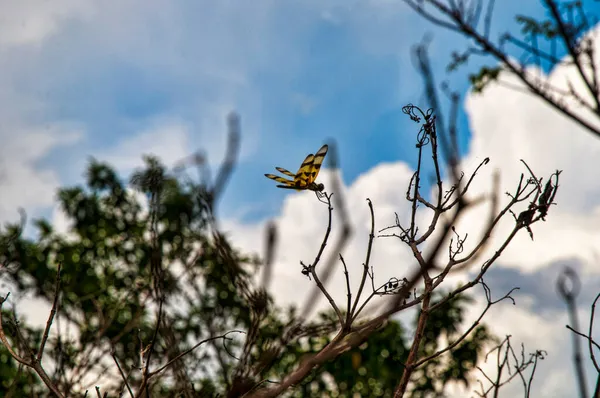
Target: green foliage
[[536, 35], [106, 269], [373, 368], [16, 380], [122, 238], [485, 76], [531, 26]]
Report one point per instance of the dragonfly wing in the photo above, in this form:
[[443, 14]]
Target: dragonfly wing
[[316, 164], [289, 187], [280, 179], [303, 173], [285, 171]]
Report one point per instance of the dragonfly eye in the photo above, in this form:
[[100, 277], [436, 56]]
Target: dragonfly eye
[[320, 187]]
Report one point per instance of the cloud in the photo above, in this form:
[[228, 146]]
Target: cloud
[[23, 182], [29, 22], [304, 102], [166, 139], [507, 126]]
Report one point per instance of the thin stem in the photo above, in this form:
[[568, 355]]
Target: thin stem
[[51, 316], [366, 263]]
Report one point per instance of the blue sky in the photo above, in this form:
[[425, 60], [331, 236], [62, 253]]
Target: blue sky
[[129, 77], [298, 73]]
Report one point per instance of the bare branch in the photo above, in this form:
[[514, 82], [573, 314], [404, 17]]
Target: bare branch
[[51, 316], [179, 356], [352, 312], [33, 362], [472, 327], [123, 375], [311, 269]]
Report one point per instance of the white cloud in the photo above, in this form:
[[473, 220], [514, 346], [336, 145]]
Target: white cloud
[[28, 22], [23, 183], [304, 102], [166, 139], [60, 221]]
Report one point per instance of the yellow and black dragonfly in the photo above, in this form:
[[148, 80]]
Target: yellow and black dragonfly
[[306, 175]]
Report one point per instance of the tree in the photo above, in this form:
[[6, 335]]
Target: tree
[[149, 297], [562, 42]]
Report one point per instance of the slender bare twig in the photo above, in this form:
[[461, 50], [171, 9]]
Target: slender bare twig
[[504, 353], [588, 338], [149, 350], [311, 269], [348, 291], [33, 362], [123, 375], [352, 314], [571, 45], [474, 324], [591, 333], [181, 355], [410, 364], [51, 316]]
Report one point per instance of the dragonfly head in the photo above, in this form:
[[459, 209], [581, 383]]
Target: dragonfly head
[[319, 187]]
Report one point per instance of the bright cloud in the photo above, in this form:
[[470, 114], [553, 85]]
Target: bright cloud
[[29, 22], [23, 184], [166, 139]]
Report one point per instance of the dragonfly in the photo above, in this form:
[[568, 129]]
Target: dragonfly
[[307, 173]]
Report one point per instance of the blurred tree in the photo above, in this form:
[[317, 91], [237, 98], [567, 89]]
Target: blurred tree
[[107, 262], [161, 229]]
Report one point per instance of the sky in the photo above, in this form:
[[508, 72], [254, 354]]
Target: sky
[[119, 79]]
